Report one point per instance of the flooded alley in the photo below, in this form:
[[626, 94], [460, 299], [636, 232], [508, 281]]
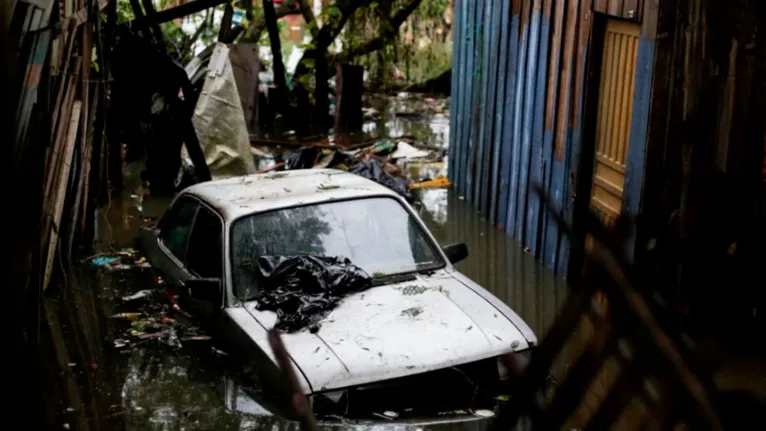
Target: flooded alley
[[412, 215], [184, 382]]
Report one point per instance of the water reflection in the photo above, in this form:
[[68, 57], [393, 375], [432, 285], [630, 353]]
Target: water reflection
[[413, 115], [495, 261]]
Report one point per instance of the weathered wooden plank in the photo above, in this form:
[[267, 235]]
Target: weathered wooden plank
[[600, 5], [528, 124], [60, 196], [67, 58], [38, 43], [614, 8], [513, 188], [500, 113], [511, 92], [53, 162]]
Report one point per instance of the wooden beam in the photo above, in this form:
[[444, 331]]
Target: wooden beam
[[178, 12]]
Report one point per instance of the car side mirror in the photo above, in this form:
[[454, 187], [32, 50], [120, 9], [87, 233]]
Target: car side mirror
[[456, 252], [205, 289]]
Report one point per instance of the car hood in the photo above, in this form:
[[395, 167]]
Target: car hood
[[398, 330]]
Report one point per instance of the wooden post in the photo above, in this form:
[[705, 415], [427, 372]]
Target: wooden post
[[348, 100]]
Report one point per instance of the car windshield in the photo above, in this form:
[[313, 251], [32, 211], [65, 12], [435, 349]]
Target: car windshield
[[377, 234]]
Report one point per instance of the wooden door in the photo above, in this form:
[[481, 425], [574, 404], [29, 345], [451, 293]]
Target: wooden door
[[615, 111], [618, 77]]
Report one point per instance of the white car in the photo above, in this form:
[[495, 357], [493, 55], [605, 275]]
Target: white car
[[420, 317]]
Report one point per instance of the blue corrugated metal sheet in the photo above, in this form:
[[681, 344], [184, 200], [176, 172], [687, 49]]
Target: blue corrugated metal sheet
[[516, 114]]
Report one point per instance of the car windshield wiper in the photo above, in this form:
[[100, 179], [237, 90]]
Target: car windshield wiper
[[393, 279]]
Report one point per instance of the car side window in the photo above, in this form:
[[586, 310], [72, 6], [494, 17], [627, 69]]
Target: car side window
[[205, 254], [176, 226]]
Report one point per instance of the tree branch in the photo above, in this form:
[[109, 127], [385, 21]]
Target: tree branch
[[390, 31], [197, 33], [278, 66], [326, 36], [253, 33]]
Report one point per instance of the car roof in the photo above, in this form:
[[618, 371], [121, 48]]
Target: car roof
[[238, 196]]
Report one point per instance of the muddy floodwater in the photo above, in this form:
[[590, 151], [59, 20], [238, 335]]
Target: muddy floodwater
[[180, 382]]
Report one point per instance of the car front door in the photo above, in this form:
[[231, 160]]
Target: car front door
[[204, 261], [172, 240]]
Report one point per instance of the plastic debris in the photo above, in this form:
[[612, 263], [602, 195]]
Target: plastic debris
[[384, 147], [439, 182], [407, 151], [316, 157], [301, 289], [138, 295], [126, 316], [121, 260], [373, 170], [104, 260]]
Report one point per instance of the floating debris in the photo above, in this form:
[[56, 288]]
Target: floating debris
[[138, 295], [197, 338], [121, 260], [129, 316]]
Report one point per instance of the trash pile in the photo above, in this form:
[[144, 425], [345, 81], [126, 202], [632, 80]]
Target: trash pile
[[121, 260], [383, 161], [150, 318], [301, 289]]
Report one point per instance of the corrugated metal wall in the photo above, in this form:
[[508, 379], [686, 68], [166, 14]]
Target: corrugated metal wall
[[516, 115]]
